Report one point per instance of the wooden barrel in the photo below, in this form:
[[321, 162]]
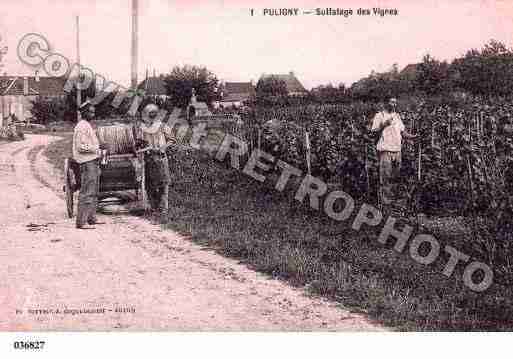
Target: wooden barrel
[[117, 139]]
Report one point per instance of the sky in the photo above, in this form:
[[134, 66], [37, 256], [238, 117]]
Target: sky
[[224, 37]]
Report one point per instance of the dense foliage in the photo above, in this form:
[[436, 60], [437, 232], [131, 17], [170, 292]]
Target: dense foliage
[[488, 71], [461, 165], [182, 80], [51, 109], [459, 138], [270, 90]]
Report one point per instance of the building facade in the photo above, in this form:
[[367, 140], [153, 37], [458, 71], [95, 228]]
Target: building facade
[[18, 92], [154, 86], [235, 94]]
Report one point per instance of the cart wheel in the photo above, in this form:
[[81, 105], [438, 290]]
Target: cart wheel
[[68, 189]]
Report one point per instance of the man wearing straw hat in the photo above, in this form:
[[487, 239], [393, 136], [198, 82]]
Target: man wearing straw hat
[[86, 152], [389, 128], [155, 135]]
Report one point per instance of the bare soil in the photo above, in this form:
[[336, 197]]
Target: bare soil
[[128, 274]]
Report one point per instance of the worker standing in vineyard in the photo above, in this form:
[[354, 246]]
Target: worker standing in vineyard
[[389, 130], [156, 136], [86, 152]]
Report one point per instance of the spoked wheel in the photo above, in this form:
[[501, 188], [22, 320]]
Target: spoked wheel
[[68, 187]]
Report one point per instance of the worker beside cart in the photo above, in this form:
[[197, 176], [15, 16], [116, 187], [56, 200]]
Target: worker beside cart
[[155, 136], [87, 152]]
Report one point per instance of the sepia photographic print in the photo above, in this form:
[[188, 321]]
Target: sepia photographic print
[[255, 166]]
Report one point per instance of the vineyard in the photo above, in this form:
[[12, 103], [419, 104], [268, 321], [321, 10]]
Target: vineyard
[[460, 163], [460, 166], [219, 206]]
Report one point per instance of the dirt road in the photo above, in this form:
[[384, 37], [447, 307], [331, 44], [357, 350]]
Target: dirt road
[[127, 275]]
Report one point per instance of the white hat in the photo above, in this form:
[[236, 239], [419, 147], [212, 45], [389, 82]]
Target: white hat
[[151, 107], [156, 122]]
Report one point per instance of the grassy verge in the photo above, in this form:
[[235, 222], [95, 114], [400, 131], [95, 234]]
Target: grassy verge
[[269, 231], [58, 150]]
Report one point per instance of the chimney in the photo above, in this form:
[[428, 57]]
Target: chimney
[[25, 86], [37, 75]]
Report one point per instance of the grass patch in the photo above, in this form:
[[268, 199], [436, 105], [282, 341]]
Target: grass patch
[[59, 150], [270, 232]]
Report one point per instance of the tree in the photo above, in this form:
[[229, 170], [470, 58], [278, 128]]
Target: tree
[[182, 80], [271, 86], [71, 97], [105, 109], [485, 72], [432, 76], [380, 86], [51, 109], [270, 89], [329, 94]]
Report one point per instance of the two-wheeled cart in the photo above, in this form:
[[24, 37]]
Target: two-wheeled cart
[[122, 176]]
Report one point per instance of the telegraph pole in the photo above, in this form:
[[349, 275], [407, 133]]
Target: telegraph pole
[[134, 42], [79, 92]]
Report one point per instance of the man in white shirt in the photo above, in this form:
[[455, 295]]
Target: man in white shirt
[[86, 151], [388, 125]]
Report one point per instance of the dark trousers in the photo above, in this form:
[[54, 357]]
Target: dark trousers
[[157, 183], [88, 195], [159, 199]]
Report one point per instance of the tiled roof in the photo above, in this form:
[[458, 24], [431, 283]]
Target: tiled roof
[[46, 86], [293, 84], [239, 88], [410, 70], [154, 86], [236, 97]]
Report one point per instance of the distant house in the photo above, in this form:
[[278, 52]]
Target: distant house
[[410, 71], [235, 94], [18, 92], [154, 86], [197, 108], [294, 86]]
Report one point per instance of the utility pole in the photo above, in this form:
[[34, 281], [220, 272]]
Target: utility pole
[[134, 42], [2, 110], [2, 114], [79, 92], [2, 97]]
